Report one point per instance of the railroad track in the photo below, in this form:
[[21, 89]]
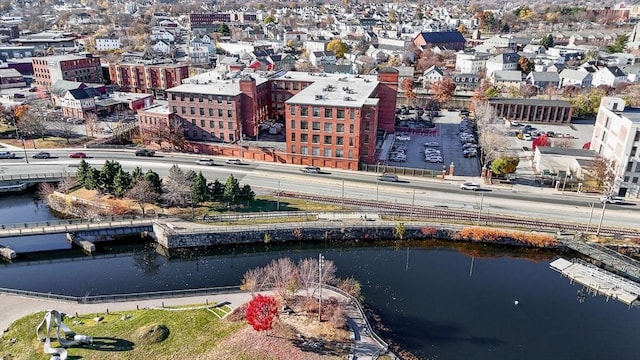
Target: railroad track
[[463, 216]]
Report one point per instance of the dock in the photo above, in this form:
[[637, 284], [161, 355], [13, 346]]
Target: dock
[[87, 246], [598, 280], [7, 253]]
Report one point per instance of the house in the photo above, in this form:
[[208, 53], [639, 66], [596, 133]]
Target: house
[[507, 78], [77, 103], [558, 164], [11, 78], [609, 76], [543, 79], [466, 82], [161, 47], [432, 75], [198, 55], [449, 40], [319, 58], [108, 43], [580, 78], [315, 45], [471, 61], [163, 35], [502, 62], [282, 61]]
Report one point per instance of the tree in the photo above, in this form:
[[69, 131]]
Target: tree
[[407, 87], [282, 273], [224, 29], [540, 141], [564, 143], [137, 174], [216, 190], [246, 193], [121, 183], [443, 90], [308, 275], [528, 91], [65, 129], [143, 193], [177, 189], [255, 280], [504, 165], [338, 47], [619, 45], [107, 176], [261, 312], [82, 172], [547, 41], [198, 189], [231, 190], [525, 65], [602, 170], [154, 179], [269, 19], [92, 179]]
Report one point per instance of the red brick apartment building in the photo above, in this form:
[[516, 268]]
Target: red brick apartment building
[[330, 120], [49, 69], [148, 79]]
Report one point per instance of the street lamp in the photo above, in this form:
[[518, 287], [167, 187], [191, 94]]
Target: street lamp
[[604, 206], [590, 217], [278, 205], [480, 208], [320, 264]]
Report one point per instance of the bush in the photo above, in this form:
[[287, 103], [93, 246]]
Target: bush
[[478, 234]]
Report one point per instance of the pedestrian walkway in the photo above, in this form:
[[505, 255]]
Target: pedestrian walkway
[[14, 307]]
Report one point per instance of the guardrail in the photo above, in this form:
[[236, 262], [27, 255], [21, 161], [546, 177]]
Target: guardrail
[[260, 215], [96, 299], [277, 226], [103, 219], [37, 176]]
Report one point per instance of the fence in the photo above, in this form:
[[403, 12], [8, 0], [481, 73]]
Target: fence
[[97, 220], [261, 215], [381, 168], [36, 176]]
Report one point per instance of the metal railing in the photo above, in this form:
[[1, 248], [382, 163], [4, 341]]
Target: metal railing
[[48, 223], [278, 226], [36, 176], [381, 168], [258, 215]]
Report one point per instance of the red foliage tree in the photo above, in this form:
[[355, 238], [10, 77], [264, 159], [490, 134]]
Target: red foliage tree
[[261, 312], [540, 141]]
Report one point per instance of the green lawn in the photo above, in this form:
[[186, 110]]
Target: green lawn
[[192, 333]]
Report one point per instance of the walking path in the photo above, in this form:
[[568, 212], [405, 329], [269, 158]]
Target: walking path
[[14, 307]]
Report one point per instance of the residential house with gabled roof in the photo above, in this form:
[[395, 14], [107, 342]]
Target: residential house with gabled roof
[[571, 77], [319, 58], [161, 47], [507, 78], [609, 75], [466, 82], [77, 103], [449, 40], [543, 79], [502, 62], [432, 75]]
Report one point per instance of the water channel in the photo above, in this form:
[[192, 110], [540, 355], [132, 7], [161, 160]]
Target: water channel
[[439, 301]]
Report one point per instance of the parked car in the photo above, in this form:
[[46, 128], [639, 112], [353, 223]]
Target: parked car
[[78, 155], [434, 159], [469, 146], [7, 155], [234, 161], [431, 144], [470, 154], [145, 152], [388, 177], [310, 170], [527, 137], [41, 155], [208, 162], [403, 138], [470, 186]]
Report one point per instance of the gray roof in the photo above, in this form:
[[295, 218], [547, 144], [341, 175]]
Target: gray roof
[[11, 72], [507, 75], [547, 150], [616, 71], [509, 58], [544, 76], [575, 75]]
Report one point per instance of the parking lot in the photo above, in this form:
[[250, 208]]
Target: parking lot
[[446, 135]]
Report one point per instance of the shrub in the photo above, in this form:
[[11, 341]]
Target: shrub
[[478, 234]]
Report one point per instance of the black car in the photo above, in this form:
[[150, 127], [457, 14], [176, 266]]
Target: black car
[[41, 155], [145, 152]]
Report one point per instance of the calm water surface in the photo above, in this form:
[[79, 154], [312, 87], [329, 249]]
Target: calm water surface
[[438, 302]]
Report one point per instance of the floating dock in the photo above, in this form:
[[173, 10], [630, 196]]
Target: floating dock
[[600, 281]]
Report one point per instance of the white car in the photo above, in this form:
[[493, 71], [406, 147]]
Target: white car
[[234, 161], [208, 162], [434, 159], [403, 138], [7, 155], [431, 144], [470, 186], [611, 200]]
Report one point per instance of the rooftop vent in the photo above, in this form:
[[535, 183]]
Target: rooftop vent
[[348, 98], [318, 97]]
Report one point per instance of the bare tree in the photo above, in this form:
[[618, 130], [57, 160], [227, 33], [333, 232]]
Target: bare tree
[[64, 129], [143, 193], [255, 280], [491, 135], [177, 189], [283, 275], [602, 171], [564, 143], [308, 275]]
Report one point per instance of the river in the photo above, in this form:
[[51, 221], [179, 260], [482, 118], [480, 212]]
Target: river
[[438, 300]]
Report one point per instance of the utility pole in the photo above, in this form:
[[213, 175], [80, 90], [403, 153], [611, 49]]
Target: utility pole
[[342, 194], [278, 205], [604, 206], [590, 217], [480, 208], [377, 191], [320, 264]]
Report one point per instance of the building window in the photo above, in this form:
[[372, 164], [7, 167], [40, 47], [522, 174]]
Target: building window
[[293, 109], [293, 125], [315, 151], [304, 111], [340, 114], [295, 86], [629, 166], [304, 138], [315, 125], [231, 137], [183, 109], [293, 149], [304, 150], [340, 128], [328, 127], [230, 125], [339, 153], [351, 127], [327, 140], [174, 109], [293, 137], [220, 125], [339, 140], [219, 99], [366, 126], [626, 179], [222, 136], [304, 125], [637, 138], [634, 180], [200, 98], [350, 156], [201, 112], [366, 138], [315, 139], [352, 114], [365, 151], [228, 100], [219, 112], [328, 113], [367, 113], [210, 112], [229, 113], [193, 122], [201, 123], [316, 112], [212, 124], [634, 150], [327, 152]]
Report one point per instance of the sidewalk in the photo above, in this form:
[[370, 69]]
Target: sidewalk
[[14, 307]]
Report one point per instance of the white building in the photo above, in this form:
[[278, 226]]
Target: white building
[[502, 62], [616, 136], [108, 43], [609, 75], [471, 62], [319, 58]]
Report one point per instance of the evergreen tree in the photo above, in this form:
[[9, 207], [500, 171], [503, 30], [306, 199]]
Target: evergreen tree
[[231, 190], [137, 174], [107, 176], [92, 179], [246, 193], [199, 189], [121, 183], [82, 171], [153, 178], [216, 190]]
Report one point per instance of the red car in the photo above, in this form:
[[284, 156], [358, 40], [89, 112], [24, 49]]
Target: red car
[[78, 155]]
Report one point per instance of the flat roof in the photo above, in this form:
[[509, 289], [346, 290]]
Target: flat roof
[[530, 102], [337, 90], [219, 88], [633, 114], [161, 108]]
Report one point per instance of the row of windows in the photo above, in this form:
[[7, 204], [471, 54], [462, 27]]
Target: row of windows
[[328, 127], [288, 85], [328, 112], [212, 124], [634, 180], [327, 139], [201, 98], [195, 134], [201, 111], [315, 151]]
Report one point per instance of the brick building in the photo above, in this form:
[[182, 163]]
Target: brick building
[[49, 69], [533, 110], [330, 120], [148, 79]]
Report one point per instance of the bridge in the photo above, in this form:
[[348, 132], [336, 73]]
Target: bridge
[[606, 256], [114, 225], [36, 178]]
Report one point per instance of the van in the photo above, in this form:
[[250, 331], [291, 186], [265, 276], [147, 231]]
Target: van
[[388, 177]]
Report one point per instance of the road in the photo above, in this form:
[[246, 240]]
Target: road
[[518, 200]]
